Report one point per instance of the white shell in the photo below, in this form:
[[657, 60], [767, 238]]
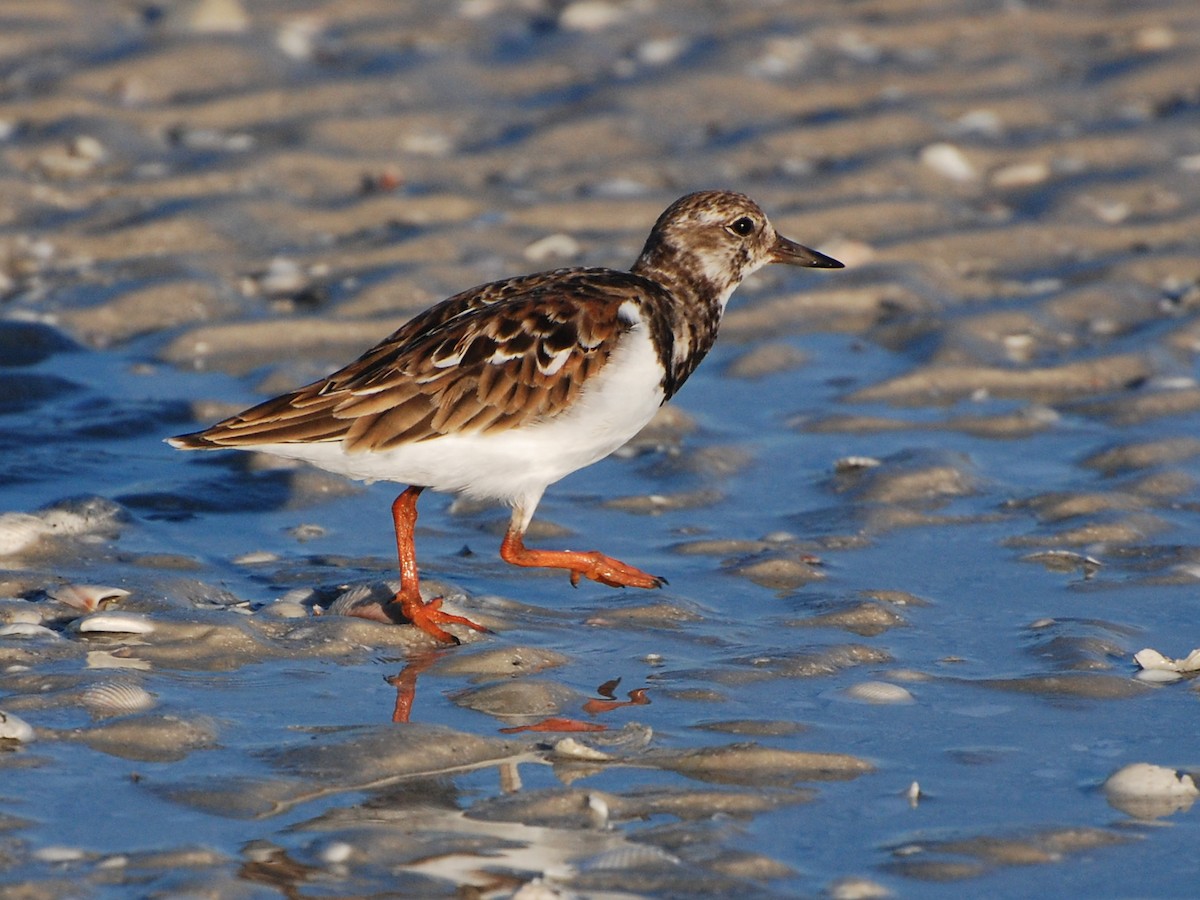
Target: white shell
[[18, 531], [14, 728], [117, 698], [1146, 780], [14, 611], [87, 597], [1151, 660], [58, 854], [879, 692], [569, 748], [115, 623]]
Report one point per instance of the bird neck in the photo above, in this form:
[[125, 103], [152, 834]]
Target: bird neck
[[697, 302]]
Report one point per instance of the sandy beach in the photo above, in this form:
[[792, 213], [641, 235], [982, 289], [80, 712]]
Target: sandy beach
[[919, 515]]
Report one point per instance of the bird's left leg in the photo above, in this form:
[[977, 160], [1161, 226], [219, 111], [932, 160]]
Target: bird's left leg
[[580, 563]]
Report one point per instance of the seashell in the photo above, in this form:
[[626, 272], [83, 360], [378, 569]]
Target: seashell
[[103, 659], [113, 623], [13, 611], [631, 857], [569, 748], [76, 516], [87, 597], [26, 629], [14, 728], [59, 854], [256, 558], [879, 692], [855, 463], [913, 794], [1191, 662], [598, 811], [358, 595], [1151, 660], [18, 532], [283, 609], [1147, 780], [115, 698]]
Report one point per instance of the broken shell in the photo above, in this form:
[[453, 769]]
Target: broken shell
[[1152, 661], [87, 597], [113, 623], [14, 728], [569, 748], [114, 698]]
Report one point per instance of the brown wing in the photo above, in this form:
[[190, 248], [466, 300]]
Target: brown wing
[[503, 355]]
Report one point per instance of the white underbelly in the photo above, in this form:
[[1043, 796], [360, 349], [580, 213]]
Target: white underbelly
[[520, 462]]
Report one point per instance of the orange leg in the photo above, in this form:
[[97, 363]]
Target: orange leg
[[426, 616], [588, 564], [405, 683]]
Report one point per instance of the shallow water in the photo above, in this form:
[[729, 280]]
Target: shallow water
[[917, 516]]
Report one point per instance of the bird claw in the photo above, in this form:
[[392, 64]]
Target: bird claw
[[614, 573]]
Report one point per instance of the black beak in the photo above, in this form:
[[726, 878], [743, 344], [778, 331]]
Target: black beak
[[794, 254]]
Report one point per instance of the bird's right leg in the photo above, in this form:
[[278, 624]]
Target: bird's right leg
[[427, 616]]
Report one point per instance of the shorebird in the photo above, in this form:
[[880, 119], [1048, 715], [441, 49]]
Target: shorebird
[[503, 389]]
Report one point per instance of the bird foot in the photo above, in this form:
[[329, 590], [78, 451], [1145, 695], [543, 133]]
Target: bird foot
[[429, 617], [606, 570]]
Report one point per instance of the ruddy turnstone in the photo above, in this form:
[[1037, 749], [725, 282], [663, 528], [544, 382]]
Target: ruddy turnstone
[[500, 391]]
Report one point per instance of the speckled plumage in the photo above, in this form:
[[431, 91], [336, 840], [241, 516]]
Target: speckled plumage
[[503, 389]]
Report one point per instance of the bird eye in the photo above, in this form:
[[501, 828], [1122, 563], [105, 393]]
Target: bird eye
[[742, 227]]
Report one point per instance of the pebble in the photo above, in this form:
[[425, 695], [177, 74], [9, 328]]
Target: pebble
[[949, 162], [552, 247], [59, 854], [590, 15], [767, 358], [980, 121], [856, 888], [218, 17], [1016, 175]]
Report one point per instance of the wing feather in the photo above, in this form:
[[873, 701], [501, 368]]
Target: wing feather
[[501, 356]]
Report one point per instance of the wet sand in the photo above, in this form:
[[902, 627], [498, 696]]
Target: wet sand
[[918, 515]]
